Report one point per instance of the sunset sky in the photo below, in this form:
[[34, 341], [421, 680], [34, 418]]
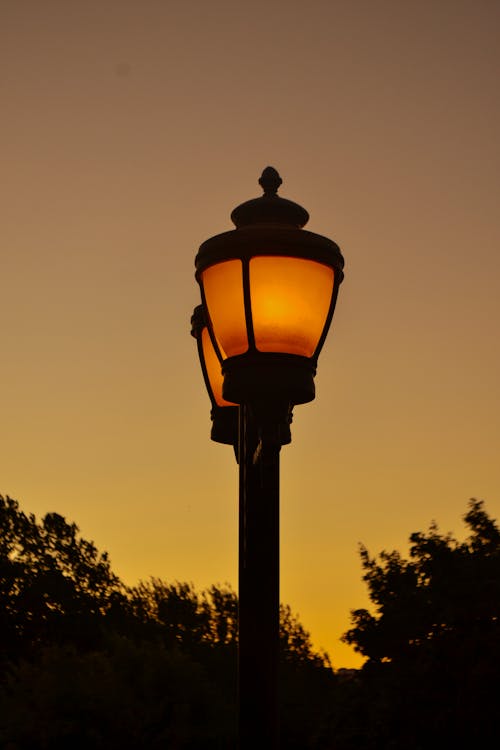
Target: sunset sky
[[129, 131]]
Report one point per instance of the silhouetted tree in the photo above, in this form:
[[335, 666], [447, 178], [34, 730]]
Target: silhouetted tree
[[54, 585], [87, 662], [126, 696], [432, 642]]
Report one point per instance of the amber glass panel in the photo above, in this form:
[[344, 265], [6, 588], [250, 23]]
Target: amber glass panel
[[223, 286], [214, 372], [290, 301]]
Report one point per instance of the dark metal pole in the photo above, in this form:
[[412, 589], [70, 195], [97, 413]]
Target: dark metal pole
[[259, 447]]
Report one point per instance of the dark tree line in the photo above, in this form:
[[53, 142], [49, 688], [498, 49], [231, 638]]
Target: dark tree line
[[432, 644], [88, 662]]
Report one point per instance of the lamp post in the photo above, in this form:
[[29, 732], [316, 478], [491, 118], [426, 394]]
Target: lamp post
[[268, 291]]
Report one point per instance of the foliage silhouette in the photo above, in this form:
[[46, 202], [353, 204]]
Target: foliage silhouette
[[54, 586], [433, 642], [88, 662], [128, 695]]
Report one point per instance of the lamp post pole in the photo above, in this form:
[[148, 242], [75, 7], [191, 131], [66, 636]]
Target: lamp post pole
[[268, 291], [259, 449]]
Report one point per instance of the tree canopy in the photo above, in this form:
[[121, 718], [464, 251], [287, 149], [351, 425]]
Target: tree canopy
[[433, 638], [86, 661]]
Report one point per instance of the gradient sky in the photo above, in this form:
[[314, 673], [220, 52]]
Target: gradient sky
[[129, 131]]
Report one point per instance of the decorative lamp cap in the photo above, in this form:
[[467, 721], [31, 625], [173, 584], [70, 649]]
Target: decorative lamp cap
[[270, 208]]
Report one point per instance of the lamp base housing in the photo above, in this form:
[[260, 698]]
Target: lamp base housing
[[261, 377]]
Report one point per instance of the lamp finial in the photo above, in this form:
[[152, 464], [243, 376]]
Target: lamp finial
[[270, 181]]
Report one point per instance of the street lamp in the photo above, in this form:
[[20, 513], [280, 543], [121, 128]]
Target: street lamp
[[224, 414], [268, 290]]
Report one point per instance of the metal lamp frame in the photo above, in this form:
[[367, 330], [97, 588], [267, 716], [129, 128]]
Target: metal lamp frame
[[271, 228]]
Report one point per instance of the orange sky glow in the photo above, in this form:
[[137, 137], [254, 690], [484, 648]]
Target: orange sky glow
[[129, 133]]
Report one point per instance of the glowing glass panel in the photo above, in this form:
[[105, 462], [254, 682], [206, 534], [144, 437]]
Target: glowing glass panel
[[223, 286], [290, 300], [214, 372]]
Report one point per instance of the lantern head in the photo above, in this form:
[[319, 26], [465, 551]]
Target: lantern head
[[269, 289]]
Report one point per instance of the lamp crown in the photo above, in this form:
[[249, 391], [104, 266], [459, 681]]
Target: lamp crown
[[270, 181], [270, 208]]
